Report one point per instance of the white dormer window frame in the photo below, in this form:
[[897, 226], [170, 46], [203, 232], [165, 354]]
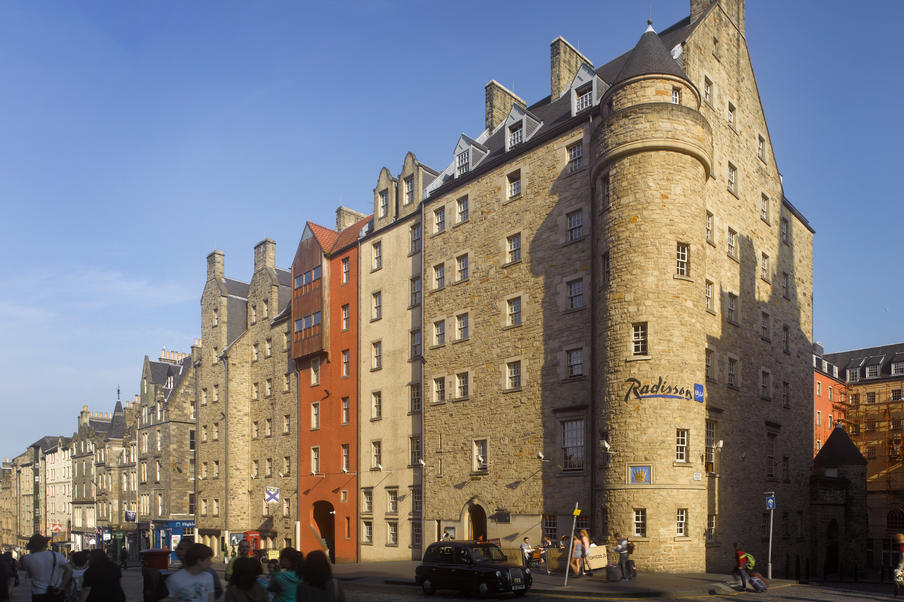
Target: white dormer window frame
[[515, 134], [586, 89], [519, 126], [383, 208], [872, 371], [583, 97], [853, 374], [897, 368], [463, 162]]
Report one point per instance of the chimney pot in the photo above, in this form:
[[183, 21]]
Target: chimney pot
[[215, 266]]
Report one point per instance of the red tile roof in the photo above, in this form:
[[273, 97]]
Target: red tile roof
[[325, 237]]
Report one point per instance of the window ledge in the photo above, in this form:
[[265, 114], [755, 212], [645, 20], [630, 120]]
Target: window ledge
[[437, 288], [434, 234], [479, 473], [766, 221], [572, 310], [682, 538], [413, 412], [465, 398], [372, 320], [376, 369], [680, 277], [576, 378], [511, 263], [413, 253], [732, 322], [511, 199], [416, 358], [734, 387], [576, 171], [733, 193], [711, 243], [462, 281], [372, 270], [676, 463], [713, 544], [638, 358], [764, 398], [410, 307], [734, 257], [377, 419], [766, 339], [461, 340], [766, 280], [515, 390], [579, 472], [511, 326], [437, 346], [711, 311], [461, 223], [574, 241]]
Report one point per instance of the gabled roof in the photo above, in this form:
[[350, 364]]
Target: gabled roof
[[839, 450], [649, 56], [883, 356], [284, 277], [48, 442], [325, 237], [237, 288], [349, 235], [117, 423]]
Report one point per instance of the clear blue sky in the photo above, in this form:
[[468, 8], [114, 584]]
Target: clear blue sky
[[136, 137]]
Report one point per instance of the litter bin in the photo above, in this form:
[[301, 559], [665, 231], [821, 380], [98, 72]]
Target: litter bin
[[155, 559]]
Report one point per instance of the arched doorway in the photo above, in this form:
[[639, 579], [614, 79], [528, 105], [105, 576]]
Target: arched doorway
[[325, 521], [831, 564], [477, 522]]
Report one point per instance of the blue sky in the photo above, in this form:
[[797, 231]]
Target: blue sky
[[136, 137]]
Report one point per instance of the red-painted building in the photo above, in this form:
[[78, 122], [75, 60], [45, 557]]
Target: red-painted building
[[325, 351], [829, 399]]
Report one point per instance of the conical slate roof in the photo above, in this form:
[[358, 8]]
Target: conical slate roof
[[649, 56], [839, 450]]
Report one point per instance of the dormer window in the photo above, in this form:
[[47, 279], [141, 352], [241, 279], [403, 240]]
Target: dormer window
[[384, 203], [583, 97], [872, 371], [897, 368], [462, 162], [169, 382], [516, 134], [853, 374]]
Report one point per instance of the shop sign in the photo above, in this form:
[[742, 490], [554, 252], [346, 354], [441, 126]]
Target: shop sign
[[660, 389]]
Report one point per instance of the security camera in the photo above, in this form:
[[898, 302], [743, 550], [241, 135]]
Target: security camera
[[540, 456], [421, 462]]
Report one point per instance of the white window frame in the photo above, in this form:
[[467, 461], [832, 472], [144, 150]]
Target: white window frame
[[513, 311], [513, 246], [575, 156], [575, 223], [574, 362], [683, 259], [640, 339], [462, 268], [681, 445]]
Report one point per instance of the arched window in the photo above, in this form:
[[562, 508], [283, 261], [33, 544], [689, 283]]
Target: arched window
[[895, 519]]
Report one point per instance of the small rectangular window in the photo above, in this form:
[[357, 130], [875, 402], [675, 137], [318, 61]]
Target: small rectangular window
[[607, 269], [461, 214], [481, 461], [439, 332], [376, 405], [681, 445], [761, 148], [461, 385], [583, 98], [414, 397], [639, 338], [732, 179], [765, 272], [732, 243], [383, 208], [574, 362], [765, 213], [732, 372], [707, 90], [575, 157], [439, 389], [439, 220], [575, 294], [415, 290], [463, 162], [683, 267], [785, 231], [377, 255], [731, 115], [640, 522], [513, 375], [516, 133], [573, 444], [710, 305], [439, 276], [514, 184], [414, 235], [514, 311], [676, 96], [575, 221], [415, 344], [461, 263], [462, 329], [681, 523], [514, 248], [710, 367]]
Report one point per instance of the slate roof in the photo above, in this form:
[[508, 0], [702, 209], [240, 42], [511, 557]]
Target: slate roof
[[883, 356], [839, 450], [649, 56], [48, 442], [237, 288], [118, 423], [284, 277], [349, 235]]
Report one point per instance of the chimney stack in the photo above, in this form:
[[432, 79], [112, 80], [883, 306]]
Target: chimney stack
[[345, 217], [265, 254], [215, 270], [499, 101], [565, 60]]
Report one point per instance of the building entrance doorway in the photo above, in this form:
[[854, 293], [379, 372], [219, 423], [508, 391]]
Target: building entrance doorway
[[325, 519], [831, 565], [477, 522]]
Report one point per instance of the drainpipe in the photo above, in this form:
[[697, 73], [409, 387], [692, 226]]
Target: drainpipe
[[225, 357], [595, 511], [423, 434]]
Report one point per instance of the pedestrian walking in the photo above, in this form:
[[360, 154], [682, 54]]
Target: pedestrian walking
[[622, 548], [101, 581], [217, 584], [585, 548], [193, 583], [49, 571], [124, 558], [78, 562], [5, 578], [244, 586], [577, 556], [741, 569], [317, 581], [244, 552], [284, 584], [12, 566]]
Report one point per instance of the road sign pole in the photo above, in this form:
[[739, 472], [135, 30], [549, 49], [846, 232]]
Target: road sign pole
[[570, 549], [770, 504]]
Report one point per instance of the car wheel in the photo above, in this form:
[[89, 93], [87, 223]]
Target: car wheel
[[482, 589], [428, 587]]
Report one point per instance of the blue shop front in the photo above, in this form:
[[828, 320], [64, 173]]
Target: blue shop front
[[168, 533]]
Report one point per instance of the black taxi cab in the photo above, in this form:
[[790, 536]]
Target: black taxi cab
[[478, 568]]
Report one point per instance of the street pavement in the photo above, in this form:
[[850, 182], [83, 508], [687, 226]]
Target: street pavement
[[391, 581]]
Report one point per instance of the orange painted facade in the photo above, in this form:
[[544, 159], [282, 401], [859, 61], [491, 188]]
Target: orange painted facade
[[829, 402], [325, 353]]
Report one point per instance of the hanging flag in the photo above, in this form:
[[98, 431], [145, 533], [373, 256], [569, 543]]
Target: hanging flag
[[271, 495]]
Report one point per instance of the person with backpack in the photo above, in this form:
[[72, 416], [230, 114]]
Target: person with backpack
[[49, 571], [622, 548], [745, 562]]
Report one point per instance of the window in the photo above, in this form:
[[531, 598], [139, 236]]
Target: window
[[461, 263], [709, 296], [346, 270], [376, 405], [439, 220], [514, 311], [414, 449], [732, 243], [707, 90], [376, 356], [346, 454], [216, 431], [761, 148], [575, 362], [461, 385], [514, 248], [346, 317], [711, 433], [731, 115], [709, 228], [392, 501], [575, 221], [607, 269], [513, 375], [377, 255], [681, 522], [573, 444], [732, 308], [676, 96], [830, 399], [872, 371], [514, 184], [414, 235], [439, 276], [818, 392], [711, 527], [461, 326], [255, 431], [683, 267], [268, 427], [439, 332], [897, 368], [461, 206], [392, 533], [710, 375], [383, 208], [583, 98], [516, 134], [268, 348], [764, 267], [414, 395], [895, 395], [376, 455], [315, 415], [770, 455], [367, 532], [575, 157], [732, 179], [830, 422], [315, 461], [681, 445], [786, 394], [415, 289], [376, 306], [286, 425], [871, 397], [480, 461], [415, 344], [408, 185], [764, 209], [346, 363], [640, 522], [853, 374], [268, 387], [764, 326], [639, 338], [732, 372], [786, 285], [575, 294], [765, 384], [462, 162], [216, 322], [253, 312], [785, 234], [315, 371], [439, 389], [345, 410]]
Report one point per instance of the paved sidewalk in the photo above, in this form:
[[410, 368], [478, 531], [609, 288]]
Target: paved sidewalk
[[646, 585]]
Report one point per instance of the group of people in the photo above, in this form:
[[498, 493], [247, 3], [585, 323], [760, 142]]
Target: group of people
[[528, 552], [579, 549], [293, 577]]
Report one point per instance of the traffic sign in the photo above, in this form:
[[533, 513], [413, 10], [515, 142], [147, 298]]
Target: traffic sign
[[576, 512], [770, 502]]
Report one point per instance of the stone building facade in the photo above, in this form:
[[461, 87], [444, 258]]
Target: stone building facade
[[391, 290], [874, 380], [86, 441], [247, 413], [56, 490], [7, 505]]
